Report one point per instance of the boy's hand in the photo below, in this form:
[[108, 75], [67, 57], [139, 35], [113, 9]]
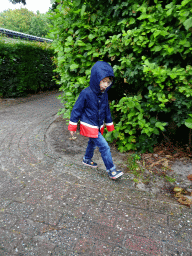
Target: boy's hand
[[72, 133]]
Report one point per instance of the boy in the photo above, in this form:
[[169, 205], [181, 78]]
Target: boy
[[92, 108]]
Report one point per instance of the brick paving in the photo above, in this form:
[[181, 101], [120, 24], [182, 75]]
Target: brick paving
[[51, 205]]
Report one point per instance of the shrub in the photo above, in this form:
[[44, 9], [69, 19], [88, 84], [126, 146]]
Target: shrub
[[149, 46], [25, 67]]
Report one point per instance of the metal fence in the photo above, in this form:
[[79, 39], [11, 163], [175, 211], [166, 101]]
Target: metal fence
[[11, 33]]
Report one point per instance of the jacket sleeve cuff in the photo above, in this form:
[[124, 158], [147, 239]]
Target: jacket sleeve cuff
[[110, 127], [72, 126]]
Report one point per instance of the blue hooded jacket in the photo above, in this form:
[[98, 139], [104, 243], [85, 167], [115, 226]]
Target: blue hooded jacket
[[92, 107]]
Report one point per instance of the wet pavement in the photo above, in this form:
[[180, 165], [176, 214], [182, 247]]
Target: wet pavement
[[50, 204]]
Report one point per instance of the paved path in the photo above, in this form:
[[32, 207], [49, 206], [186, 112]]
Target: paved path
[[50, 205]]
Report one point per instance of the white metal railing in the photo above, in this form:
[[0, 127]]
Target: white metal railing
[[11, 33]]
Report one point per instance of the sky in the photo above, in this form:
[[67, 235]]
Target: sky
[[31, 5]]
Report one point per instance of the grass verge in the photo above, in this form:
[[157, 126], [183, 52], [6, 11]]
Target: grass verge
[[135, 167]]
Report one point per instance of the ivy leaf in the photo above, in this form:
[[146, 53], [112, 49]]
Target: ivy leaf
[[129, 146], [83, 9], [151, 43], [156, 131], [169, 5], [121, 149], [182, 42], [67, 49], [82, 80], [115, 134], [169, 12], [74, 66], [132, 21], [91, 36], [130, 104], [69, 38], [184, 2], [108, 136], [93, 18], [140, 116], [96, 54], [156, 33], [188, 23], [156, 48], [68, 94], [143, 16], [170, 50], [160, 125], [173, 75], [142, 123], [80, 43], [153, 120], [188, 123], [77, 2]]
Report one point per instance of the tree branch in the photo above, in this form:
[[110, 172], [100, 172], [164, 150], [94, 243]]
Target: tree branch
[[18, 1]]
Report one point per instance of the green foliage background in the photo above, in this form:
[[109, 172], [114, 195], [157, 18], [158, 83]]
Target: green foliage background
[[148, 44], [25, 21], [25, 67], [17, 20], [39, 25]]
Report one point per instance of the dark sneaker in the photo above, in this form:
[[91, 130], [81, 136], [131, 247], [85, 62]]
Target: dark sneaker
[[113, 174], [89, 162]]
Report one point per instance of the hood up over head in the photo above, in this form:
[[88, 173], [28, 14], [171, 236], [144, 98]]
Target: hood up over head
[[100, 70]]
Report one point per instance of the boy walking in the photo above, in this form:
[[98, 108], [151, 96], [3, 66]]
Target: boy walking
[[92, 109]]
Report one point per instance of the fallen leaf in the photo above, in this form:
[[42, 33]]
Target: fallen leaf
[[181, 190], [165, 163], [156, 163], [177, 189], [189, 177], [178, 195], [17, 232], [73, 138], [185, 192], [147, 155], [185, 201]]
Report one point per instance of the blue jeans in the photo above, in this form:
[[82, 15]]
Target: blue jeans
[[104, 149]]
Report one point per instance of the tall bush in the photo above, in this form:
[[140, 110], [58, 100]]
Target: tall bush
[[149, 45]]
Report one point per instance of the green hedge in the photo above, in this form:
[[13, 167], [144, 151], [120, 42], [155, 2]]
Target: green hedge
[[148, 44], [25, 67]]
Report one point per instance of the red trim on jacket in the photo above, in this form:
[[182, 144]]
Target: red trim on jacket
[[88, 131], [72, 127], [102, 129], [110, 127]]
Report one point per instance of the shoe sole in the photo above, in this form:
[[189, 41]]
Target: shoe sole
[[89, 165], [117, 177]]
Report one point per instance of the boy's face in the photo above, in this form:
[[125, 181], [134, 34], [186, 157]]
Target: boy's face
[[105, 82]]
